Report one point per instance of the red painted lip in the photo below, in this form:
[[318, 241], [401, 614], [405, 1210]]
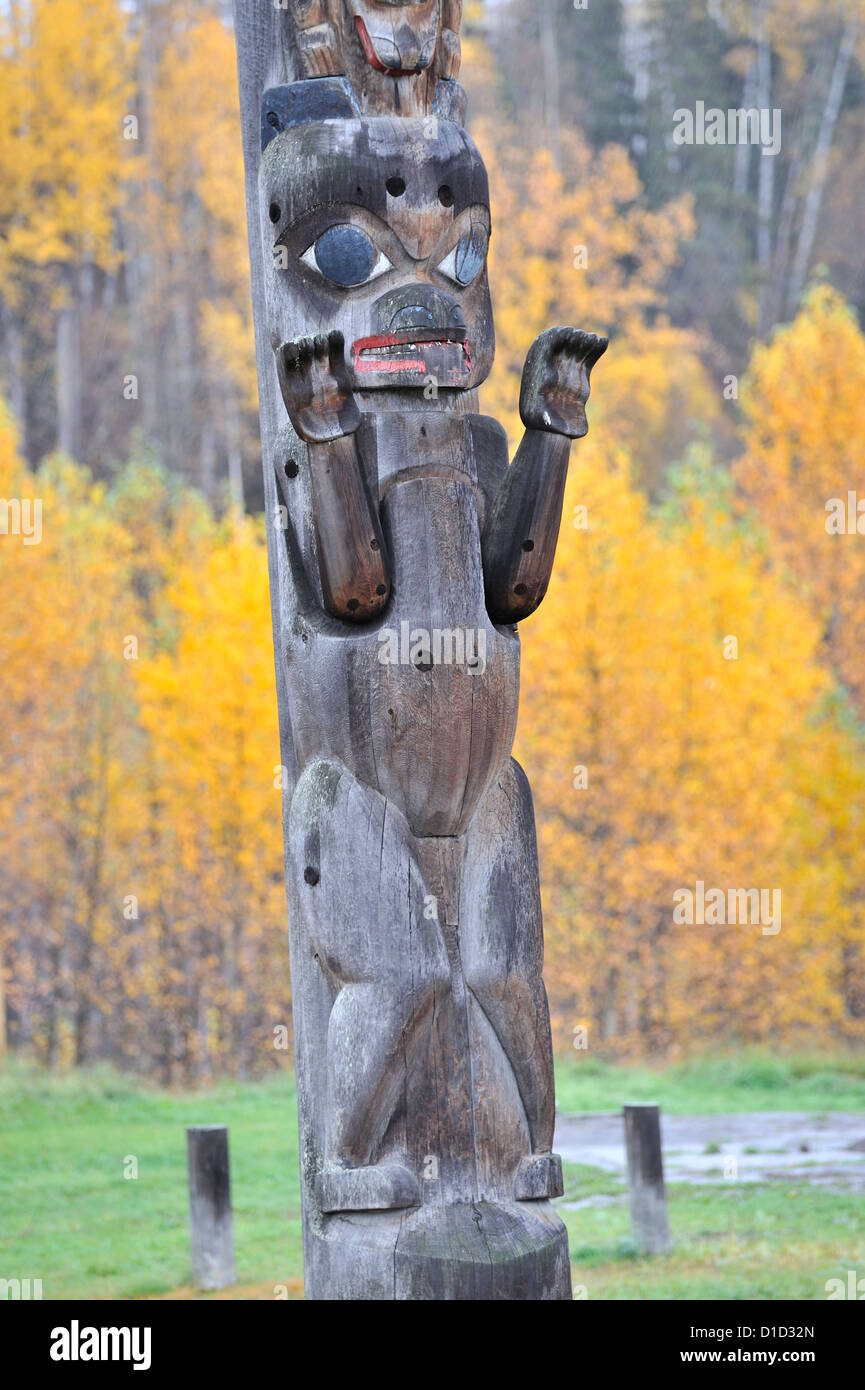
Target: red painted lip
[[372, 57], [419, 339]]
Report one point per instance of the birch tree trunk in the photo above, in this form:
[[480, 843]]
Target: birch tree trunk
[[820, 166]]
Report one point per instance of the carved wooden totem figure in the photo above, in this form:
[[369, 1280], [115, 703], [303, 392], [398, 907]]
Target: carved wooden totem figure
[[404, 550]]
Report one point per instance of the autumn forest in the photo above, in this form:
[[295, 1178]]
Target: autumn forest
[[693, 687]]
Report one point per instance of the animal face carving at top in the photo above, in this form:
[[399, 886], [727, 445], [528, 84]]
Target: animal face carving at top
[[373, 42]]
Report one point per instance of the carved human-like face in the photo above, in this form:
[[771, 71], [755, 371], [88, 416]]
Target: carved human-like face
[[380, 231], [397, 37]]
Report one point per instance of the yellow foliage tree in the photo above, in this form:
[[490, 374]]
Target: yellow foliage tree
[[803, 455], [66, 84], [213, 895], [576, 244], [193, 224], [144, 916], [64, 738], [671, 725]]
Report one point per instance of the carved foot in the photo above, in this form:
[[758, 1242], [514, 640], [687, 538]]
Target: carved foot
[[556, 381], [316, 389], [539, 1176], [386, 1187]]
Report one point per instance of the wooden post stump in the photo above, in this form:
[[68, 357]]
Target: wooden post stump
[[403, 550], [646, 1188], [211, 1235]]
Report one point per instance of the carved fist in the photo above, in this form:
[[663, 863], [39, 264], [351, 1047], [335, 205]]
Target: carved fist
[[556, 381], [316, 389]]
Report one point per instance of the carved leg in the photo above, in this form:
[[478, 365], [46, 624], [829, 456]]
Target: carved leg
[[362, 894], [502, 952]]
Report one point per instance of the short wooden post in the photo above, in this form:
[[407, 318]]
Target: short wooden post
[[646, 1178], [211, 1236]]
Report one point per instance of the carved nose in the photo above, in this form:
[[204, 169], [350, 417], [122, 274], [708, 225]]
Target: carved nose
[[421, 307], [412, 316], [418, 316], [405, 51]]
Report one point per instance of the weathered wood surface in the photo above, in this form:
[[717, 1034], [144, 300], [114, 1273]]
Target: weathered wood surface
[[394, 54], [211, 1235], [648, 1196], [398, 568]]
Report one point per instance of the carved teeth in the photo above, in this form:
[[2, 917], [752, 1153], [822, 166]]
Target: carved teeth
[[448, 360], [405, 348]]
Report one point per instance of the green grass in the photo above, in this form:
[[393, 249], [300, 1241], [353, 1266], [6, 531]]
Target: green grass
[[730, 1240], [69, 1217], [715, 1085]]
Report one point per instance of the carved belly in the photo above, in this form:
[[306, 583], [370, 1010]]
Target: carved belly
[[423, 707]]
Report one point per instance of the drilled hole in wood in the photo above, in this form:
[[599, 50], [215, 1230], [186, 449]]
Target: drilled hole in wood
[[291, 469], [382, 589], [446, 196], [352, 605], [274, 212], [374, 545], [396, 186], [311, 875], [273, 120], [528, 545], [520, 589]]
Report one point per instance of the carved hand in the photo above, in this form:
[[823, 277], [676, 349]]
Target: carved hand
[[316, 390], [556, 381]]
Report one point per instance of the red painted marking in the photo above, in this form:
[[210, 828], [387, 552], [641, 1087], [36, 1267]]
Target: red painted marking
[[382, 364], [387, 364], [384, 340], [372, 57]]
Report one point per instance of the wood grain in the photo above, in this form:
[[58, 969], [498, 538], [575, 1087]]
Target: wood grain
[[398, 569]]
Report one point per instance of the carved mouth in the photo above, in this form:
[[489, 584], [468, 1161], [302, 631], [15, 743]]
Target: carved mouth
[[423, 352]]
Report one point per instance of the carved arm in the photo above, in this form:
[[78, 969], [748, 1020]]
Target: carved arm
[[520, 537], [352, 556]]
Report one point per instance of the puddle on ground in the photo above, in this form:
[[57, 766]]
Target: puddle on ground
[[825, 1149]]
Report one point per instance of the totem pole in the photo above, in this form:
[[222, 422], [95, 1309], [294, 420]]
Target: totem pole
[[404, 550]]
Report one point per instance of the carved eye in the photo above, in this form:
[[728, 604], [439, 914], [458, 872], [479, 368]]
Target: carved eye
[[466, 259], [346, 256]]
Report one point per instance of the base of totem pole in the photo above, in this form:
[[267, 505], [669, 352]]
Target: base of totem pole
[[473, 1251]]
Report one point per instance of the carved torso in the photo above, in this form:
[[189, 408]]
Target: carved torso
[[429, 738]]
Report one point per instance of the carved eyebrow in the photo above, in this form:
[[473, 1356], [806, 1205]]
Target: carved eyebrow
[[316, 218]]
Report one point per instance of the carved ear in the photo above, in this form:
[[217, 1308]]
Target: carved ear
[[298, 103], [449, 40], [450, 102]]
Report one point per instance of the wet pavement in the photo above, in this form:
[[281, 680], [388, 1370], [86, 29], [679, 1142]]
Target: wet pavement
[[826, 1149]]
